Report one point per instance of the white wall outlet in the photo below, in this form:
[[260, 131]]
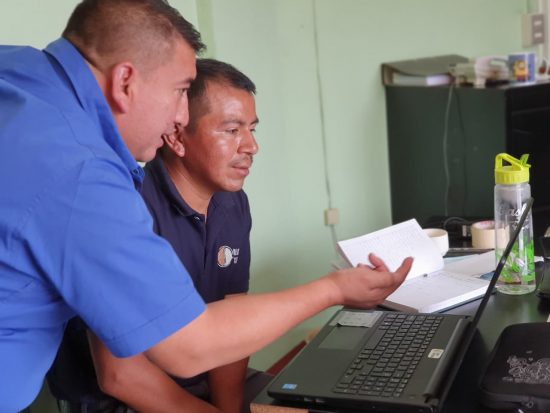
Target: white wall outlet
[[332, 216], [533, 29]]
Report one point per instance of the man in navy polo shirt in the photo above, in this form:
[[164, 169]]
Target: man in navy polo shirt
[[193, 189], [75, 236]]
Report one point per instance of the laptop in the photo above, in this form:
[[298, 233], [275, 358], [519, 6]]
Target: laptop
[[384, 360]]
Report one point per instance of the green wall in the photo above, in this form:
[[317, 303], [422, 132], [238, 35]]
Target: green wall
[[38, 22], [273, 41]]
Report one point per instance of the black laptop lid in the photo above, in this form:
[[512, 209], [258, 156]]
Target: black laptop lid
[[473, 326]]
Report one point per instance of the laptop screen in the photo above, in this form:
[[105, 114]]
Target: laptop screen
[[473, 327]]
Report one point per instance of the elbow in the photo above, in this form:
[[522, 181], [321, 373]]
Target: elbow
[[113, 382], [188, 351]]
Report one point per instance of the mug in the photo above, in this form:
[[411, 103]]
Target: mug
[[440, 238], [522, 67]]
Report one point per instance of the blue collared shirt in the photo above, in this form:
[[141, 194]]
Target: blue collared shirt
[[215, 252], [75, 235]]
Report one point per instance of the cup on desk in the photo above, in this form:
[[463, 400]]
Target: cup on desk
[[440, 238]]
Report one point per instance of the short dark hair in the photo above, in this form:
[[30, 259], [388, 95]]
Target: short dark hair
[[212, 70], [141, 29]]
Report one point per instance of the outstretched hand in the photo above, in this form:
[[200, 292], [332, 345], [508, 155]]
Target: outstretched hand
[[367, 286]]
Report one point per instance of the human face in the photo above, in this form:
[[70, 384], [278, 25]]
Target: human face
[[160, 101], [220, 146]]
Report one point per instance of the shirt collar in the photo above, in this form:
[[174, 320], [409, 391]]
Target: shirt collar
[[167, 186], [93, 101], [163, 179]]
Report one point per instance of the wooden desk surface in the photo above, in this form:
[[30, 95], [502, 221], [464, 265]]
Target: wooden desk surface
[[501, 311]]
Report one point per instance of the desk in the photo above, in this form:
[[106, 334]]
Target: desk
[[501, 311]]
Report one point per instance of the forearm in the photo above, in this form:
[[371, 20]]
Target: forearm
[[230, 330], [141, 385], [226, 385]]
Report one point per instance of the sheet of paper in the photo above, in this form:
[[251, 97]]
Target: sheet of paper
[[459, 282], [474, 264], [394, 244], [437, 292]]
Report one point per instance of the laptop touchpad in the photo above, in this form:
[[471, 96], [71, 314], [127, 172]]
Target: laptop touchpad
[[343, 338]]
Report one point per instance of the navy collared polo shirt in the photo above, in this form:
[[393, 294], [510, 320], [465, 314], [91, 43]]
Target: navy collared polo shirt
[[216, 253]]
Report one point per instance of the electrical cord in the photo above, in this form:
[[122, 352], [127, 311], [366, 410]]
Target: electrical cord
[[322, 116], [445, 149], [447, 223], [464, 141], [456, 220]]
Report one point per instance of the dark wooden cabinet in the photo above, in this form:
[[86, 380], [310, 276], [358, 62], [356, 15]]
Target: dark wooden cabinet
[[443, 142]]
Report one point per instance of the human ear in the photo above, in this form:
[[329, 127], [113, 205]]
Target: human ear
[[123, 78], [175, 143]]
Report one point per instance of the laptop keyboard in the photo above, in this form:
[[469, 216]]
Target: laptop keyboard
[[390, 356]]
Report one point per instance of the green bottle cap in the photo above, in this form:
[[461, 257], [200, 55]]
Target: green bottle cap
[[515, 173]]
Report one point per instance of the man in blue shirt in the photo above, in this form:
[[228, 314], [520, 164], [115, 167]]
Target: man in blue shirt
[[193, 189], [75, 235]]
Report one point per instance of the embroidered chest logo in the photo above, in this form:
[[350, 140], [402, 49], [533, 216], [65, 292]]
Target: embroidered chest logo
[[227, 256]]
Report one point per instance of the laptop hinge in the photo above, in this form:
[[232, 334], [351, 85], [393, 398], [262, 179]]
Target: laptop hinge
[[443, 366]]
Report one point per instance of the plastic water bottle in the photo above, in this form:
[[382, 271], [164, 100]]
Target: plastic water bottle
[[512, 191]]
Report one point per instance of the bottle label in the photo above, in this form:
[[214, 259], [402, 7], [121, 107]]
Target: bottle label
[[520, 265], [505, 210]]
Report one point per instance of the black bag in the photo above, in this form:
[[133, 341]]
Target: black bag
[[518, 374]]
